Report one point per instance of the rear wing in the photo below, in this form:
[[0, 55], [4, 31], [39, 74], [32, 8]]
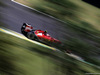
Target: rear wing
[[27, 28]]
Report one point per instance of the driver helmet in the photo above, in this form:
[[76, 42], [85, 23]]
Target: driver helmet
[[45, 31]]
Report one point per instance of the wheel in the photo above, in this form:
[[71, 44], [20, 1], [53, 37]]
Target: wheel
[[31, 35]]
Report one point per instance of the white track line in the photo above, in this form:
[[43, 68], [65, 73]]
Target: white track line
[[22, 37], [38, 11]]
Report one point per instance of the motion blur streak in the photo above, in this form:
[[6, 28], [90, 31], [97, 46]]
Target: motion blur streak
[[22, 37], [21, 57]]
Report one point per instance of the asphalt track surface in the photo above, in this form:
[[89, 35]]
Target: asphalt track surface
[[14, 15]]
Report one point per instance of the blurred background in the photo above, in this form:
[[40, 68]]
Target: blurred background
[[78, 28]]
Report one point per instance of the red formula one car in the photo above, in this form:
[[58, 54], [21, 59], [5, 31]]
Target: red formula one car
[[38, 35]]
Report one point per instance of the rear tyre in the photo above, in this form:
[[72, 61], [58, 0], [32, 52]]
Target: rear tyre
[[31, 35]]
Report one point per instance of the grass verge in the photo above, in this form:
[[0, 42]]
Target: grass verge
[[21, 57]]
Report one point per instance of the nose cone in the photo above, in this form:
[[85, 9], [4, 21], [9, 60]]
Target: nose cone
[[57, 41]]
